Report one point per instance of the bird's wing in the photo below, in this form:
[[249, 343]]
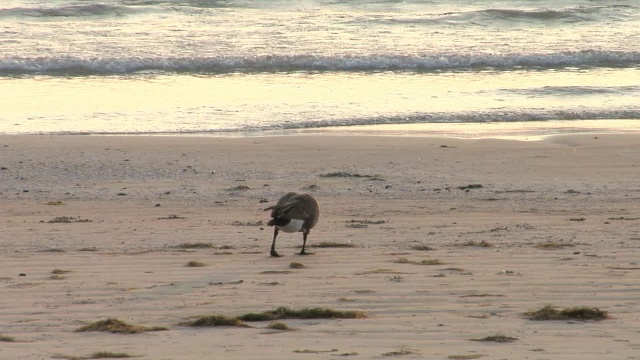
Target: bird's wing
[[292, 210]]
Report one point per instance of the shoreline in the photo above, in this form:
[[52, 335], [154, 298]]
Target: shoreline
[[523, 131]]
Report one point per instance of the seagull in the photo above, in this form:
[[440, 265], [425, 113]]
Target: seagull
[[294, 212]]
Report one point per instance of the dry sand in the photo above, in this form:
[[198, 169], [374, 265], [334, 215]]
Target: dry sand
[[134, 200]]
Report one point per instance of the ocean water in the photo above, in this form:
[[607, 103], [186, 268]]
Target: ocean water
[[252, 67]]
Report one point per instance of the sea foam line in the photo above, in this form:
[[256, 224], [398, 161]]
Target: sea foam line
[[287, 63], [491, 116], [481, 117]]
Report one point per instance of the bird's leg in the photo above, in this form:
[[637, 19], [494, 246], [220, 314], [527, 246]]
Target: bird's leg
[[273, 244], [304, 242]]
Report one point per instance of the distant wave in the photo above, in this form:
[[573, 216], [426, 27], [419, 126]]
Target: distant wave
[[533, 14], [124, 7], [505, 15], [188, 3], [281, 63], [67, 11], [105, 10], [575, 90], [581, 13], [129, 7]]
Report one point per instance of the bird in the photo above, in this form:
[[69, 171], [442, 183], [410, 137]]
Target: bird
[[294, 212]]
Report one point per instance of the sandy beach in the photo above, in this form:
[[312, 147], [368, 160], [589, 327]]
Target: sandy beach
[[444, 241]]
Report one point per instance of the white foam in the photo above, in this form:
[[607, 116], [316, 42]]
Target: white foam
[[53, 64]]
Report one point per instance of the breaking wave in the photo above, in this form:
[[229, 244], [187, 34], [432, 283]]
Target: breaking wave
[[282, 63], [490, 116], [67, 11]]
